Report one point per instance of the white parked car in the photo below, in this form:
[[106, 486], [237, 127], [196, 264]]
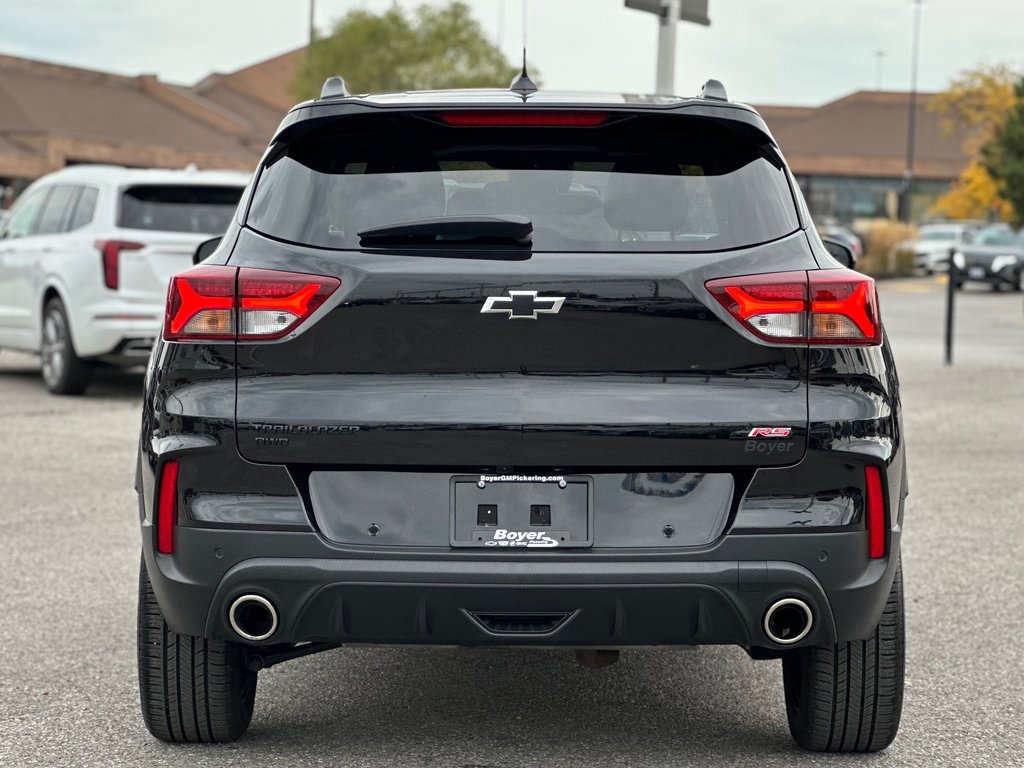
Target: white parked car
[[935, 243], [86, 255]]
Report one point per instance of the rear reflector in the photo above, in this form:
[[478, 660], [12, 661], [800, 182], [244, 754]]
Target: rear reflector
[[523, 118], [167, 508], [875, 512], [829, 306], [110, 253], [219, 303]]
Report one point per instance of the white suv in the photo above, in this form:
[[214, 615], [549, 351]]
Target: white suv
[[86, 255], [935, 243]]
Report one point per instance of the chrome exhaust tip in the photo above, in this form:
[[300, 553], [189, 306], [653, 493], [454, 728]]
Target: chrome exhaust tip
[[253, 617], [788, 621]]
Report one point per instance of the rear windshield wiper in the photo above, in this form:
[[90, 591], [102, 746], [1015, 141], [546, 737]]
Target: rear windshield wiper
[[452, 230]]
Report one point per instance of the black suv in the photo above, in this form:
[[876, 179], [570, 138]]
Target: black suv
[[514, 368]]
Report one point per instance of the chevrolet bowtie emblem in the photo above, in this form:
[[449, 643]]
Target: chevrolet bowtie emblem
[[523, 305]]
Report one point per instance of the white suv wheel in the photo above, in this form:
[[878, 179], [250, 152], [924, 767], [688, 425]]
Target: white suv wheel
[[64, 373]]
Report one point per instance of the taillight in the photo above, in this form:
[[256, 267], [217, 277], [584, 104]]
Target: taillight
[[828, 306], [523, 118], [875, 512], [110, 256], [273, 303], [167, 508], [201, 304], [220, 303], [844, 308]]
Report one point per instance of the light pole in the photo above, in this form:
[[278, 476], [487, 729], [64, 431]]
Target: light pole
[[501, 24], [669, 13], [879, 55], [908, 174], [665, 80], [312, 24]]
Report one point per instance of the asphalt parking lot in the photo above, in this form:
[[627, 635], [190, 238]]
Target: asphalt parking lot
[[69, 553]]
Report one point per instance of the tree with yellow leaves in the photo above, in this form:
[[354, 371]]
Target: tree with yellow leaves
[[978, 100], [974, 195]]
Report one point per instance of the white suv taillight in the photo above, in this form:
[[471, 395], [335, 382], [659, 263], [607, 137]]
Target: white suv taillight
[[828, 306], [216, 303], [110, 256]]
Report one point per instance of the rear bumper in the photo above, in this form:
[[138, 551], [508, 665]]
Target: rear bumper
[[607, 600], [121, 329]]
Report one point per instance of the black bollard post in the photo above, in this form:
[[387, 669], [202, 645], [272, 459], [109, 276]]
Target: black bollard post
[[954, 278]]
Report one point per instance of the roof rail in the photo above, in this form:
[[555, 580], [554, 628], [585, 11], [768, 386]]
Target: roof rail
[[334, 87], [714, 90]]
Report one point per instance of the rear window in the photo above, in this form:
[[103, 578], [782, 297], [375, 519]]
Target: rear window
[[178, 208], [640, 184]]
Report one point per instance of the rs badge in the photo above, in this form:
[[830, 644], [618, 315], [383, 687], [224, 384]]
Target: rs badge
[[770, 432]]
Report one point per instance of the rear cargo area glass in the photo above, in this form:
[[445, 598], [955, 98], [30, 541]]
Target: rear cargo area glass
[[178, 208], [635, 184]]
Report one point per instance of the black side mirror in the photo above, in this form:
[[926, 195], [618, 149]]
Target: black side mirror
[[840, 252], [205, 248]]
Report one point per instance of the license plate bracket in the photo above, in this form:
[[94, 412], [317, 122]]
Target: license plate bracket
[[522, 513]]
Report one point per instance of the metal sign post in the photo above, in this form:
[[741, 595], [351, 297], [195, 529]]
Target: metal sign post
[[951, 285], [669, 13]]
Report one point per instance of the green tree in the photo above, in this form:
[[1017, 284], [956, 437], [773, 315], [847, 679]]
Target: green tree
[[1003, 156], [435, 47]]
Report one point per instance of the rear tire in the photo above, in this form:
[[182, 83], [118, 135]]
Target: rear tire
[[849, 697], [193, 690], [64, 372]]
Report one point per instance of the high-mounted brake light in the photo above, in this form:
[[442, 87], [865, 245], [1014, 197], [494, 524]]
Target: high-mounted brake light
[[875, 512], [219, 303], [167, 508], [829, 306], [110, 255], [523, 118]]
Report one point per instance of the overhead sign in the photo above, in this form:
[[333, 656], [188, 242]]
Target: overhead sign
[[695, 11]]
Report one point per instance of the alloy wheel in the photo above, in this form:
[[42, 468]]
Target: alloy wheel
[[54, 350]]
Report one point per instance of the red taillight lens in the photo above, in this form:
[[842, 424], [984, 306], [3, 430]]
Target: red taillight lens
[[167, 508], [110, 254], [201, 304], [771, 306], [273, 303], [875, 512], [844, 308], [523, 118], [831, 306], [224, 303]]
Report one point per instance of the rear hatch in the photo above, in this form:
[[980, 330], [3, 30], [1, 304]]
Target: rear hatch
[[634, 370], [429, 354]]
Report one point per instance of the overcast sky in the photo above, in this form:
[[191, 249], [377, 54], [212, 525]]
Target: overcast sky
[[765, 51]]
